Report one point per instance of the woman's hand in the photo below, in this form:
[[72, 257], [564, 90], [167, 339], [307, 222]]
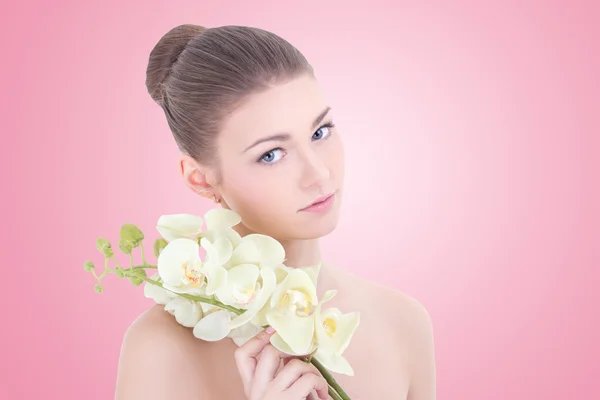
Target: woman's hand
[[259, 365]]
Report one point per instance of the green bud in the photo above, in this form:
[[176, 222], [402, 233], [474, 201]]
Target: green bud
[[132, 234], [98, 288], [126, 246], [104, 247], [88, 266], [120, 272], [140, 273], [159, 245], [136, 281]]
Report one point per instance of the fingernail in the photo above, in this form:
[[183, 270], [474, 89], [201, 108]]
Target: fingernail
[[270, 330]]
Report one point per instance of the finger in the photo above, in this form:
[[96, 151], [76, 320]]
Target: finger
[[307, 383], [293, 370], [245, 355], [266, 369], [288, 357], [314, 396]]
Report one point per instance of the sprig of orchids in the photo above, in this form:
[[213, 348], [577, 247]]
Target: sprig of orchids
[[223, 285]]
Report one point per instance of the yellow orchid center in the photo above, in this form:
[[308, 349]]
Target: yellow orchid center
[[330, 326], [192, 274], [298, 301], [244, 296]]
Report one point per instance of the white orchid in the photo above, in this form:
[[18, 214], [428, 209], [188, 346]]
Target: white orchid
[[182, 270], [218, 323], [333, 332], [180, 267], [261, 297], [281, 272], [243, 283], [291, 311]]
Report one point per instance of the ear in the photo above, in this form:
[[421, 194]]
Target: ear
[[197, 177]]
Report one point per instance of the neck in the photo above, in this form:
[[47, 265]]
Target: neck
[[302, 253]]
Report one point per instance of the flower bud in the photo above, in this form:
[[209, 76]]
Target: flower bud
[[159, 245], [126, 246], [104, 247], [98, 288], [120, 272], [136, 281], [140, 273], [132, 234], [88, 266]]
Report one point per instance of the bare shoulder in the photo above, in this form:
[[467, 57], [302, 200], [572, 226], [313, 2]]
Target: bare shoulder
[[412, 311], [413, 324], [155, 360]]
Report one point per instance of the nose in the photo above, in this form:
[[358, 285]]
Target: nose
[[316, 172]]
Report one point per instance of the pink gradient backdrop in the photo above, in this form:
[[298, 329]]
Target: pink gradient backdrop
[[472, 131]]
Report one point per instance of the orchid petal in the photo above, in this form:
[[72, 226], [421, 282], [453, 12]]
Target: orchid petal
[[186, 312], [297, 332], [219, 218], [174, 257], [299, 280], [347, 324], [157, 293], [216, 277], [243, 333], [176, 226], [268, 285], [240, 280], [334, 363], [271, 252], [213, 327], [217, 252]]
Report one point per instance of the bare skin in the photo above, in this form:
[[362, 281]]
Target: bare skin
[[279, 152]]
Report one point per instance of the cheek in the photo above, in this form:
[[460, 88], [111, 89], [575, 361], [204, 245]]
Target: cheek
[[336, 158], [257, 193]]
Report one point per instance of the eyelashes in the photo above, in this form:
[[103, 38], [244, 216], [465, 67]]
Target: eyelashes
[[273, 156]]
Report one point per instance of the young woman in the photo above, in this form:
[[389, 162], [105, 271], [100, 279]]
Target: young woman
[[257, 136]]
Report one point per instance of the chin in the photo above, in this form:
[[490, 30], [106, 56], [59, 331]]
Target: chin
[[316, 226]]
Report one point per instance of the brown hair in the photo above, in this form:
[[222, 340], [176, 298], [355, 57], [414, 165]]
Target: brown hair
[[199, 75]]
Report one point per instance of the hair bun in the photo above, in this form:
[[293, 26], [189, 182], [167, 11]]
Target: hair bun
[[164, 54]]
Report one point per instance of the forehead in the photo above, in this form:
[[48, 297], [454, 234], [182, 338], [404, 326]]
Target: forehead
[[290, 107]]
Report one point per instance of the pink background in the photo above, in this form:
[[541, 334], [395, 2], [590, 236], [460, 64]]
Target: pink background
[[472, 131]]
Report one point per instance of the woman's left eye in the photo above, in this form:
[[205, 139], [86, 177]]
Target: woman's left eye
[[322, 132]]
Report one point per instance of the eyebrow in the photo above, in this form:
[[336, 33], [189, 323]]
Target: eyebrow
[[286, 136]]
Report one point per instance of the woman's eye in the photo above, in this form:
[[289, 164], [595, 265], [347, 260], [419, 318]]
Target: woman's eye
[[271, 156], [322, 132]]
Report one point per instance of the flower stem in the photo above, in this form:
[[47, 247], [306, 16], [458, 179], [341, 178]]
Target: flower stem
[[201, 299], [143, 254], [333, 394], [330, 379]]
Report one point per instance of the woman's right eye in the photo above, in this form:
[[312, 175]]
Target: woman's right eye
[[271, 157]]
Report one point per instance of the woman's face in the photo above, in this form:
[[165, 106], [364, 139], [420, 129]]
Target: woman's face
[[278, 154]]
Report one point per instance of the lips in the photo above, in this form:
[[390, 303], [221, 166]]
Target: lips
[[318, 201]]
